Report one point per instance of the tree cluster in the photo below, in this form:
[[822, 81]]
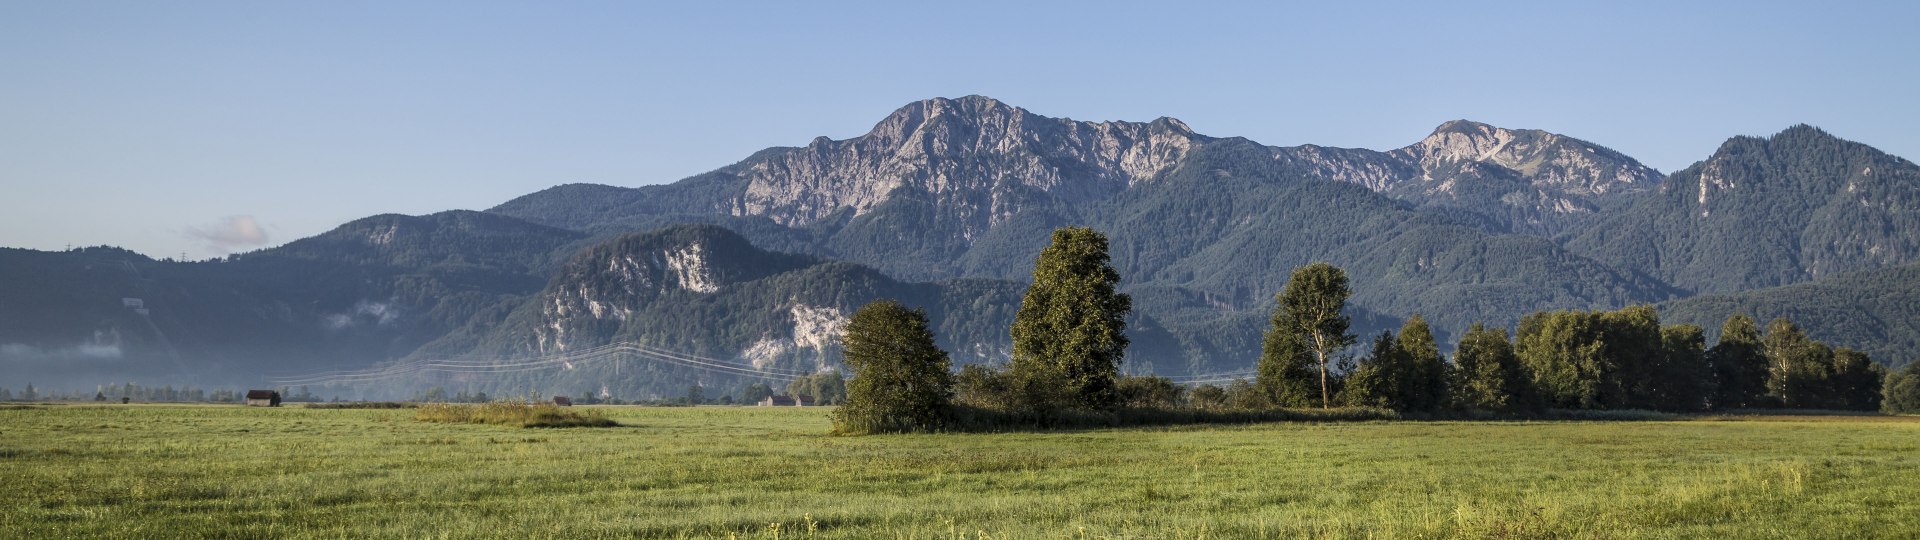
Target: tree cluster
[[1621, 359], [1069, 338]]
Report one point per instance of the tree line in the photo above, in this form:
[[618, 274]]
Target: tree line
[[1069, 337]]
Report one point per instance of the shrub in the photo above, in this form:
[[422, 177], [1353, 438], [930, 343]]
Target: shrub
[[1149, 392]]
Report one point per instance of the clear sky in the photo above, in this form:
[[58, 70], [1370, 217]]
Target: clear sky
[[206, 127]]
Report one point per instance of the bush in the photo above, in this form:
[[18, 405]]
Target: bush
[[1142, 392], [512, 413]]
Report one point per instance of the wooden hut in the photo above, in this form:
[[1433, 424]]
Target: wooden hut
[[562, 401], [263, 398]]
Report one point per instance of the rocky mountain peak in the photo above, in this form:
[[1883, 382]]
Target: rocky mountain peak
[[1564, 164], [972, 148]]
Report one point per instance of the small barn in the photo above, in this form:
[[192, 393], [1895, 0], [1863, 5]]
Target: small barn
[[263, 398], [786, 401], [563, 401]]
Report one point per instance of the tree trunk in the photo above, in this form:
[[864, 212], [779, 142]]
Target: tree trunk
[[1326, 402]]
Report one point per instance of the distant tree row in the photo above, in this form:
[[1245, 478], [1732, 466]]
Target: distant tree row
[[1623, 359], [1069, 339]]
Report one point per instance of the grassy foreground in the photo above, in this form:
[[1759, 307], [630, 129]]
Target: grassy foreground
[[152, 471]]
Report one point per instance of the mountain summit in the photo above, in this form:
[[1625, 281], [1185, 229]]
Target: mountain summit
[[1761, 212]]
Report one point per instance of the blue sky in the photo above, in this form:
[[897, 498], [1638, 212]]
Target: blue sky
[[207, 127]]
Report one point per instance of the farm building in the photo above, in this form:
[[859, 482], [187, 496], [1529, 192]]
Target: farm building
[[263, 398], [787, 401], [563, 401]]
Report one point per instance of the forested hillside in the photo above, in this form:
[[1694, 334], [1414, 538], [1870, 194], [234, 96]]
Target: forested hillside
[[1876, 311], [1761, 212]]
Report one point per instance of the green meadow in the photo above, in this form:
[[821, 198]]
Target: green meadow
[[159, 471]]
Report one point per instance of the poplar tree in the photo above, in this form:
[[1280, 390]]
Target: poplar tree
[[1070, 333]]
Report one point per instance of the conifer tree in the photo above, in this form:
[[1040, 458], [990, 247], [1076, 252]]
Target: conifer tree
[[900, 378], [1380, 378], [1069, 336]]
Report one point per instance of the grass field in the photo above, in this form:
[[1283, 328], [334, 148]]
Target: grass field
[[147, 471]]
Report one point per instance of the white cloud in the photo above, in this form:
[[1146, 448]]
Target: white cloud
[[233, 233]]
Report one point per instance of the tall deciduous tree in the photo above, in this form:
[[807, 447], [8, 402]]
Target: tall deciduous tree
[[1403, 373], [1313, 310], [1684, 379], [1739, 365], [1634, 350], [1286, 369], [900, 379], [1564, 353], [1427, 371], [1798, 367], [1901, 393], [1070, 332], [1486, 374], [1856, 381]]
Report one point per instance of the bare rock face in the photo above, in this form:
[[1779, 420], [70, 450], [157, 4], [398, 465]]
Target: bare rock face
[[607, 284], [1548, 161], [973, 151], [980, 159]]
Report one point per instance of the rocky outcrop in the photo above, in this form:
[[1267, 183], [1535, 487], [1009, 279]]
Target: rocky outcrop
[[976, 153]]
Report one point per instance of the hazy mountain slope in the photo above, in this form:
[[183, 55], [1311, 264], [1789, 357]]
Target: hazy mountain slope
[[705, 290], [1796, 206], [371, 290], [1877, 311]]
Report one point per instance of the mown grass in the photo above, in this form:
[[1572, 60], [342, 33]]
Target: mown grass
[[513, 413], [362, 405], [159, 471]]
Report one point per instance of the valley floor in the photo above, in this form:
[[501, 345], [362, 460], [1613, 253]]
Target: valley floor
[[150, 471]]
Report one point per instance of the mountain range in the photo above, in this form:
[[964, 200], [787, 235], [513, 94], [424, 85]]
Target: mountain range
[[945, 202]]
